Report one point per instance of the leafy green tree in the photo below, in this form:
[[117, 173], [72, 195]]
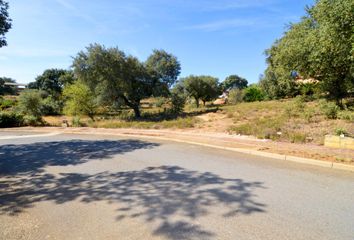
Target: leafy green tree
[[163, 66], [178, 98], [253, 93], [116, 77], [204, 88], [5, 22], [234, 81], [80, 100], [30, 102], [52, 81], [4, 89], [51, 106], [319, 46], [277, 83]]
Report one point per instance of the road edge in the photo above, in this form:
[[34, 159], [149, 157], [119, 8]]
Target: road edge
[[309, 161]]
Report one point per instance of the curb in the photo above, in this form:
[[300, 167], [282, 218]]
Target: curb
[[309, 161]]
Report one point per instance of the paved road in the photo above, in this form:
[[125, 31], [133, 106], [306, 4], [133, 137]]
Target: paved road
[[91, 187]]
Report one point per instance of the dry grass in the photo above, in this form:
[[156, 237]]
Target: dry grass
[[178, 123], [287, 120]]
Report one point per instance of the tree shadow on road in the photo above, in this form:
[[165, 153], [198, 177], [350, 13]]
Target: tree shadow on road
[[169, 197], [32, 158]]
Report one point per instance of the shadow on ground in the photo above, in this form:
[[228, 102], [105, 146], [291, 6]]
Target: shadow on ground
[[170, 197], [32, 158]]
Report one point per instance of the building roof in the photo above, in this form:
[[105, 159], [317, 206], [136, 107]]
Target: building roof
[[15, 84]]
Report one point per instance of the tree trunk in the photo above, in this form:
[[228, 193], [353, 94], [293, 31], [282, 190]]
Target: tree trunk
[[197, 102], [339, 102], [134, 106], [203, 103], [91, 116], [137, 111]]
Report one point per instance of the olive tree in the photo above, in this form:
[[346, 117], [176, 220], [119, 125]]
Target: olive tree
[[234, 81], [116, 77], [319, 46], [52, 81], [204, 88]]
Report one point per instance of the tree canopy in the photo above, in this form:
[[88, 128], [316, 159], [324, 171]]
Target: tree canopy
[[5, 22], [319, 46], [234, 81], [80, 100], [114, 76], [163, 66], [7, 90], [203, 88], [52, 81]]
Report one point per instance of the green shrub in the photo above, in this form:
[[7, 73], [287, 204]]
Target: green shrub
[[10, 119], [297, 137], [30, 120], [261, 128], [76, 122], [329, 109], [341, 131], [253, 93], [30, 103], [6, 103], [51, 106], [235, 96], [346, 115], [311, 90], [177, 101]]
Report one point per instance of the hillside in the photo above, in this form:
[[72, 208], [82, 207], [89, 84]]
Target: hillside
[[285, 120]]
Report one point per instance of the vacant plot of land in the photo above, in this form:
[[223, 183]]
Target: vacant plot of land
[[288, 120]]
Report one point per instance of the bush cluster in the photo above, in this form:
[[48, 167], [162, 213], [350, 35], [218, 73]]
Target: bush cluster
[[11, 119]]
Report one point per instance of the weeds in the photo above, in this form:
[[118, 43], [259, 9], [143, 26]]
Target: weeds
[[329, 109], [297, 120], [341, 131], [180, 123]]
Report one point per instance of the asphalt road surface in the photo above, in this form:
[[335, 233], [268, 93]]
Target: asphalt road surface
[[100, 187]]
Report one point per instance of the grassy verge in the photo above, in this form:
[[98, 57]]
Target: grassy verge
[[179, 123], [291, 120]]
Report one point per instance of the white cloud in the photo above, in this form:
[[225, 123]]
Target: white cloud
[[65, 4], [234, 4], [222, 24], [78, 12]]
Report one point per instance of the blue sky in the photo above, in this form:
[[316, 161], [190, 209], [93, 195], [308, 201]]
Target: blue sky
[[212, 37]]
